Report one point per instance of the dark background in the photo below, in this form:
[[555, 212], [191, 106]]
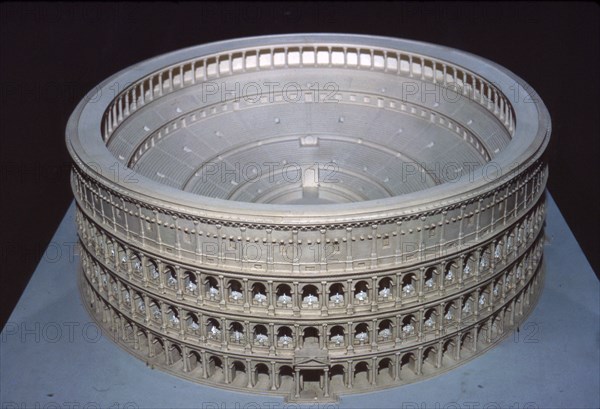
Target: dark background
[[52, 54]]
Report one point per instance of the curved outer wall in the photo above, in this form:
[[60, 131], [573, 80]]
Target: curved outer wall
[[216, 291]]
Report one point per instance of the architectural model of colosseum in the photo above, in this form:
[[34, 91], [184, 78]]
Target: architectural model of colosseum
[[310, 215]]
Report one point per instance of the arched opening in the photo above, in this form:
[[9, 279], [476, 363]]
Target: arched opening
[[430, 320], [104, 281], [128, 332], [171, 277], [126, 295], [468, 304], [261, 336], [529, 226], [385, 372], [520, 234], [361, 374], [173, 317], [176, 356], [95, 302], [361, 334], [239, 376], [409, 285], [448, 352], [211, 288], [468, 267], [519, 304], [284, 337], [215, 369], [336, 376], [115, 320], [497, 288], [122, 255], [85, 264], [409, 326], [482, 333], [361, 292], [450, 315], [236, 332], [143, 342], [190, 281], [99, 240], [136, 264], [195, 363], [509, 282], [450, 273], [259, 294], [109, 250], [519, 273], [310, 296], [510, 243], [235, 291], [93, 239], [430, 279], [527, 291], [262, 377], [526, 260], [310, 336], [114, 293], [498, 251], [140, 304], [466, 344], [484, 300], [192, 323], [497, 327], [213, 329], [153, 273], [155, 313], [408, 368], [386, 331], [95, 273], [507, 317], [107, 312], [286, 378], [336, 295], [429, 360], [484, 260], [158, 350], [384, 290], [284, 296], [336, 336]]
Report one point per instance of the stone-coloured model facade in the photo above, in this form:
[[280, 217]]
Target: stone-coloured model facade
[[306, 304]]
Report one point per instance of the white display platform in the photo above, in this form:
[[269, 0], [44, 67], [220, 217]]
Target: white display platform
[[53, 356]]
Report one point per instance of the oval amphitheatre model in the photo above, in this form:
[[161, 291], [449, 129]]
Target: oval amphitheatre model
[[310, 215]]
